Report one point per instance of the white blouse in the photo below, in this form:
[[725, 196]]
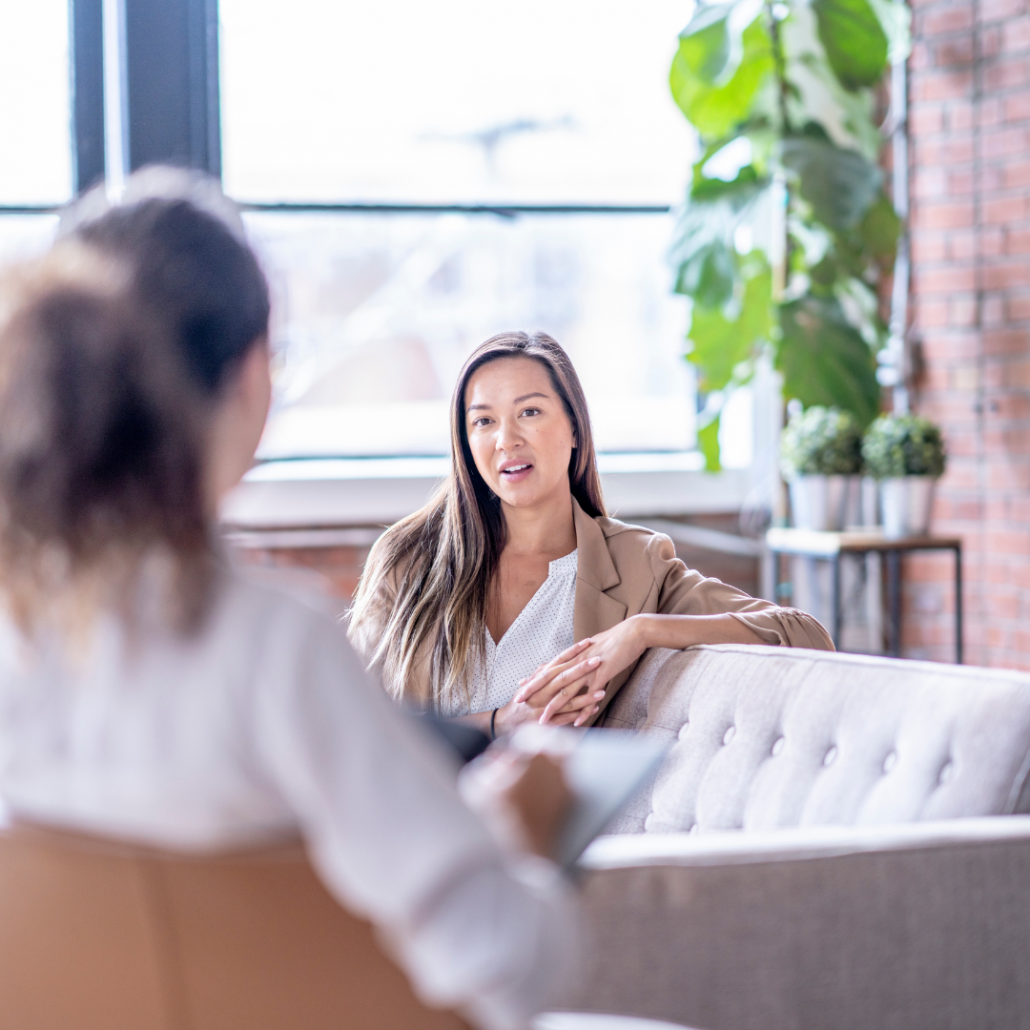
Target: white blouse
[[266, 723], [542, 630]]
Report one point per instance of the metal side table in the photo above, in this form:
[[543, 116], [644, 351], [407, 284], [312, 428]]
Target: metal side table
[[829, 547]]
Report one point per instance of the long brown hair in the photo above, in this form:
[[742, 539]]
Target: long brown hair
[[426, 583]]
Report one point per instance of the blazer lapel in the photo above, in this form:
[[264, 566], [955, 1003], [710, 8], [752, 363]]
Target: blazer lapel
[[594, 611]]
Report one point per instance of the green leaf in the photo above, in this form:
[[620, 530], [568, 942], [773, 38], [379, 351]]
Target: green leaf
[[880, 230], [822, 91], [824, 273], [705, 44], [838, 184], [721, 344], [702, 251], [739, 190], [716, 108], [708, 444], [824, 360], [854, 41], [896, 19], [709, 276]]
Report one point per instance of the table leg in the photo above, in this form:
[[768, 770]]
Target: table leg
[[894, 600], [958, 606], [835, 601]]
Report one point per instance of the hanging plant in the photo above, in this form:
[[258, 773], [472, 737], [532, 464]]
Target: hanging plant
[[786, 229]]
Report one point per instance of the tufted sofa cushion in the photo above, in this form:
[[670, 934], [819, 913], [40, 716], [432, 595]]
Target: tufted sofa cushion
[[766, 737]]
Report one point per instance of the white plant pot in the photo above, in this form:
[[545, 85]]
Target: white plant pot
[[823, 502], [907, 504], [869, 502]]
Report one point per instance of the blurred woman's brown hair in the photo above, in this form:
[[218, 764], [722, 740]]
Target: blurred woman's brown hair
[[99, 450], [113, 352], [423, 594]]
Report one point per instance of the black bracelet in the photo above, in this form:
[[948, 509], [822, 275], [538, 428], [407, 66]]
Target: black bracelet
[[493, 726]]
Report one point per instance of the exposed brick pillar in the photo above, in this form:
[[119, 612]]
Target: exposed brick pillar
[[970, 183]]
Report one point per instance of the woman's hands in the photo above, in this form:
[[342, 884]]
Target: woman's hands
[[566, 690], [578, 709]]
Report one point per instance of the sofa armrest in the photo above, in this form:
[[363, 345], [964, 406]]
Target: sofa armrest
[[734, 847], [921, 925]]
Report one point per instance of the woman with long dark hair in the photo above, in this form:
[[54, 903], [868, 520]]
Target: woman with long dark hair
[[511, 596], [149, 690]]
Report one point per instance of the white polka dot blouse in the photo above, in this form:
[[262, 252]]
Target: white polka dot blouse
[[542, 630]]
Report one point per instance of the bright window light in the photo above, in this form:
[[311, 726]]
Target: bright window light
[[376, 313], [25, 236], [35, 118], [460, 102], [453, 101]]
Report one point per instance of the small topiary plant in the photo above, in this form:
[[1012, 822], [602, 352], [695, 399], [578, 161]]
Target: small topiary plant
[[904, 445], [821, 442]]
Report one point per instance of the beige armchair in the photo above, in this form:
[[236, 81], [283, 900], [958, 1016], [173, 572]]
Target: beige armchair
[[97, 935]]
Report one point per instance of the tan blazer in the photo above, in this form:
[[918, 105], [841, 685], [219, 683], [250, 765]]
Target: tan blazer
[[626, 570]]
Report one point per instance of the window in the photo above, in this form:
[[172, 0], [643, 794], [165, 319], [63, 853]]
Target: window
[[35, 115], [420, 177], [459, 101], [35, 123], [416, 178]]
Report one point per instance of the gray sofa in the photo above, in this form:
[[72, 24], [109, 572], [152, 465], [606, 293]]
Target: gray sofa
[[834, 842]]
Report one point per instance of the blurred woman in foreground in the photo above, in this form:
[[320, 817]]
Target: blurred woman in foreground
[[511, 596], [147, 691]]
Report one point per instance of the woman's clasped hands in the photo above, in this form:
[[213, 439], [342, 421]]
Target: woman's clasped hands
[[567, 690]]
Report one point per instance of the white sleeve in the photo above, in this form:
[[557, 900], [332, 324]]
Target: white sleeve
[[377, 802]]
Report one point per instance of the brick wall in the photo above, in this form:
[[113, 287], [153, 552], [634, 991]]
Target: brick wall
[[970, 190]]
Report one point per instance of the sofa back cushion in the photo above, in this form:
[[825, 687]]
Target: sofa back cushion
[[765, 737]]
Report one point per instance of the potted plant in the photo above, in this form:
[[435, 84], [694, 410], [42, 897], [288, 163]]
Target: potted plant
[[821, 458], [906, 454]]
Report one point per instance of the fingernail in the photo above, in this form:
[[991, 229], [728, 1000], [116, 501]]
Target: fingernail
[[593, 661], [599, 695], [597, 708]]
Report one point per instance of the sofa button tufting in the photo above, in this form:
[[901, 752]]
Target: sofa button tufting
[[778, 745], [729, 734], [830, 756], [890, 761]]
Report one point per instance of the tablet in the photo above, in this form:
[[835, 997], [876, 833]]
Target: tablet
[[603, 768], [604, 771]]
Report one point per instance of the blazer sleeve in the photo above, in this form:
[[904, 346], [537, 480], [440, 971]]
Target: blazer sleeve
[[684, 591]]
